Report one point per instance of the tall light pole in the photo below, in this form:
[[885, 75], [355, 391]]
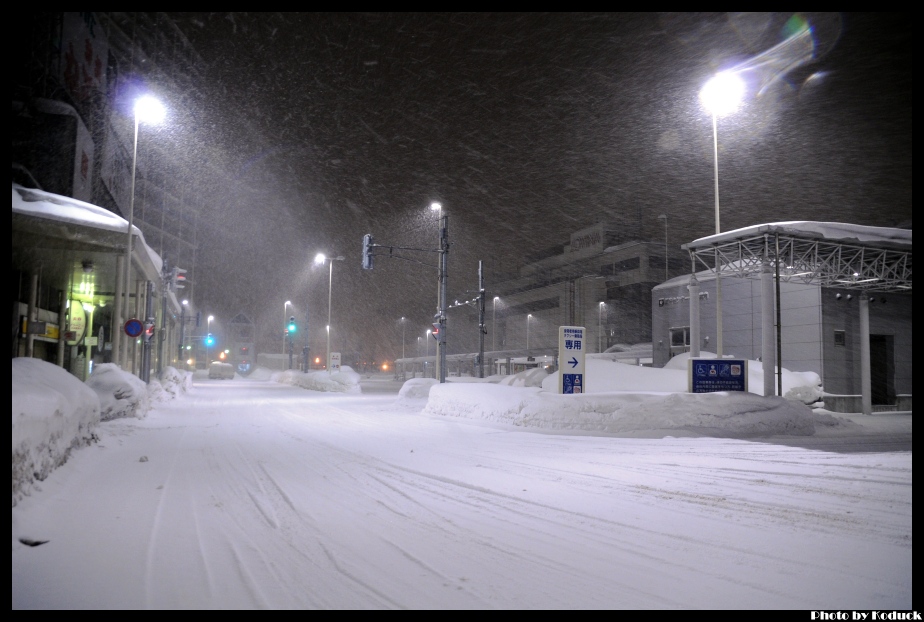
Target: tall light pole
[[600, 326], [664, 218], [494, 325], [285, 320], [149, 110], [528, 317], [320, 259], [720, 95], [208, 346], [403, 334], [427, 351]]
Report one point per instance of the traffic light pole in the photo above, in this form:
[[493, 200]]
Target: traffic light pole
[[148, 333], [369, 247]]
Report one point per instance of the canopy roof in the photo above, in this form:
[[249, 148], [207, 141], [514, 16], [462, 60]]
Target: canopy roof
[[832, 254]]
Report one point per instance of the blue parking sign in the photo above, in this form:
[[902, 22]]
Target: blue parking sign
[[713, 375]]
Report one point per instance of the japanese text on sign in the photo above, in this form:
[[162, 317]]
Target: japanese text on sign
[[713, 375]]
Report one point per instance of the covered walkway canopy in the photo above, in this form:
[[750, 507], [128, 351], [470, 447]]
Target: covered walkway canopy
[[827, 254]]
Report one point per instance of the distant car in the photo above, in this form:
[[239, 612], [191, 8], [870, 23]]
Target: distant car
[[221, 370]]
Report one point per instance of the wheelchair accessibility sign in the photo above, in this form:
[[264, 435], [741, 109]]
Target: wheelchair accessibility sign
[[712, 375]]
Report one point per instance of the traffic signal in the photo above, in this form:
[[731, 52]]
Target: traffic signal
[[209, 340], [367, 251], [149, 332], [436, 330], [179, 278], [291, 327]]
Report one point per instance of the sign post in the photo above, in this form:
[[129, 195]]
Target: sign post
[[571, 342], [714, 375], [334, 362]]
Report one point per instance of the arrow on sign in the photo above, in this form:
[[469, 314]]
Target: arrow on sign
[[573, 362]]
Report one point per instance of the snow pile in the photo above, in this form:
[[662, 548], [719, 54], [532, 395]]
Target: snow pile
[[416, 388], [176, 382], [344, 381], [53, 413], [804, 386], [737, 415], [529, 378], [120, 394], [171, 384]]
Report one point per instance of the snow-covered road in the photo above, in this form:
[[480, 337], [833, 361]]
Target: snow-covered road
[[252, 494]]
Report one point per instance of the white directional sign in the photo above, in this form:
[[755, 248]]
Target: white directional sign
[[571, 359], [334, 362]]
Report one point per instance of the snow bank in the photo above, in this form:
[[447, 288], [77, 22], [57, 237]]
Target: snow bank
[[53, 414], [344, 381], [120, 394]]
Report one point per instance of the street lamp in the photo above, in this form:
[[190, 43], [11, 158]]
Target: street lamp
[[664, 218], [285, 317], [319, 259], [403, 334], [720, 95], [427, 352], [149, 110], [494, 325], [528, 317], [208, 333], [600, 326]]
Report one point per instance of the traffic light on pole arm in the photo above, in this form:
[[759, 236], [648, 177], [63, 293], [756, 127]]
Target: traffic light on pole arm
[[291, 327], [179, 279], [367, 252], [436, 330], [209, 340]]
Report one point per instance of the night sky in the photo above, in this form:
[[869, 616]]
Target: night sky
[[527, 127]]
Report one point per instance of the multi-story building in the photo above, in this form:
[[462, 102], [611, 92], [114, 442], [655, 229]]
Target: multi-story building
[[75, 135]]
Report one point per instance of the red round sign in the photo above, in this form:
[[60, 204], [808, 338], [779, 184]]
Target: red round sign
[[133, 327]]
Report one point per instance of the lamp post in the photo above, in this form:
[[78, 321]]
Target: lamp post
[[528, 317], [494, 325], [403, 334], [285, 316], [720, 95], [149, 110], [600, 326], [664, 218], [320, 259], [427, 352], [208, 347], [182, 331]]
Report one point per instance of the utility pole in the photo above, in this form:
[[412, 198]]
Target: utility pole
[[444, 260], [481, 328]]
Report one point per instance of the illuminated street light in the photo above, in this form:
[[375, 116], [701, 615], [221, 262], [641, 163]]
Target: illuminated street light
[[149, 110], [319, 259], [664, 218], [494, 324], [427, 351], [528, 318], [285, 317], [720, 96], [403, 333], [600, 326], [208, 332]]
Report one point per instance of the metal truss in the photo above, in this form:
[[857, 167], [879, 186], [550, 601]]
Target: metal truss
[[878, 266]]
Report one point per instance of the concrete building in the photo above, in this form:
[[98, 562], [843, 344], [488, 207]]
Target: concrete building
[[830, 298]]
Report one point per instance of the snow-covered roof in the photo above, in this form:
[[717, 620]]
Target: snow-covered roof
[[806, 229], [59, 208]]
